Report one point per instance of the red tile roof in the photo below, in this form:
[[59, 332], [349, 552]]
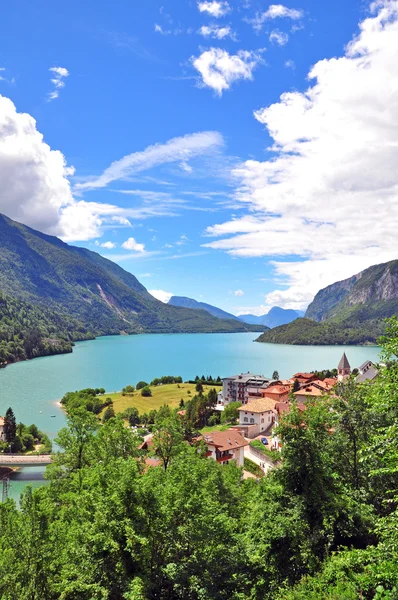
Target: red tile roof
[[225, 440]]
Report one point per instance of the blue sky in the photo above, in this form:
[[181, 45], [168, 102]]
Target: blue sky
[[160, 131]]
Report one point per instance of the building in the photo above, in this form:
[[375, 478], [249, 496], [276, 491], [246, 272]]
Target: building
[[344, 368], [2, 432], [367, 372], [309, 392], [235, 388], [256, 417], [278, 392], [303, 378], [224, 446]]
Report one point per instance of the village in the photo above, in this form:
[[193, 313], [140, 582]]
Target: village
[[263, 401]]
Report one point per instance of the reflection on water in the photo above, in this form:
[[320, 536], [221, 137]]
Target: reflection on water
[[33, 476]]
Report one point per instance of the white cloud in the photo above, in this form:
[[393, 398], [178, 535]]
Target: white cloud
[[35, 188], [178, 150], [131, 244], [108, 245], [329, 193], [59, 75], [219, 69], [183, 240], [214, 31], [290, 64], [259, 311], [142, 275], [239, 293], [161, 295], [278, 37], [214, 8], [275, 11]]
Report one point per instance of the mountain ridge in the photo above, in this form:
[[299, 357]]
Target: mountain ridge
[[86, 294], [350, 311]]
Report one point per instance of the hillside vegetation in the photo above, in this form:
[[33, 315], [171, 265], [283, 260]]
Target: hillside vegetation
[[119, 522], [71, 293]]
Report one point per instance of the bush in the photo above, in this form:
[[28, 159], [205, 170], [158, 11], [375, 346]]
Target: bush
[[274, 455], [146, 391], [129, 389], [252, 467], [108, 414], [141, 384]]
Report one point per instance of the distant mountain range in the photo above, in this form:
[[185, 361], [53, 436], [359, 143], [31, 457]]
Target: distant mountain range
[[276, 316], [64, 293], [346, 312], [184, 302]]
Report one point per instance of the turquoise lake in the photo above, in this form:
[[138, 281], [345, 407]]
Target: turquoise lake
[[33, 388]]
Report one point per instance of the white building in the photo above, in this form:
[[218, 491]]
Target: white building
[[2, 432], [224, 446], [235, 389], [256, 416]]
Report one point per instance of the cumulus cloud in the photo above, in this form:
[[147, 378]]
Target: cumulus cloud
[[239, 293], [214, 8], [108, 245], [34, 178], [275, 11], [59, 74], [179, 150], [214, 31], [328, 194], [219, 70], [131, 244], [278, 37], [161, 295], [35, 188]]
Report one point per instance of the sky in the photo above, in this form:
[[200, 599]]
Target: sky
[[238, 152]]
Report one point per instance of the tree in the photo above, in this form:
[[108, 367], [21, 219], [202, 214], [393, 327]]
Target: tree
[[182, 403], [199, 387], [275, 375], [132, 415], [129, 389], [168, 439], [296, 386], [230, 413], [141, 384], [146, 391], [10, 427], [108, 414]]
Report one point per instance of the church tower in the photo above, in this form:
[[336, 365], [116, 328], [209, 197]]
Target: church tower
[[344, 369]]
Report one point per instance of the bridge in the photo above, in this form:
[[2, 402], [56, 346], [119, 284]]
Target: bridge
[[21, 460]]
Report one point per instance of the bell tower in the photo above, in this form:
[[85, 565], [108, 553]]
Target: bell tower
[[344, 369]]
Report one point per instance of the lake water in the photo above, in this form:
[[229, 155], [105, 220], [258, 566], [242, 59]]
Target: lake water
[[33, 388]]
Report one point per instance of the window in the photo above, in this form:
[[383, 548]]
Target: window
[[245, 420], [262, 420], [251, 420]]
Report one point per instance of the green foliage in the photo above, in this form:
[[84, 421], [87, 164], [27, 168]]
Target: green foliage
[[252, 467], [146, 392], [108, 414], [129, 389], [166, 379], [323, 525], [230, 413], [274, 455], [141, 384]]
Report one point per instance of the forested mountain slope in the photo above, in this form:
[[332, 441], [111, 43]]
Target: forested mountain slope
[[85, 293], [191, 303]]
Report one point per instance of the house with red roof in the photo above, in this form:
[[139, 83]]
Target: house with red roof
[[226, 446]]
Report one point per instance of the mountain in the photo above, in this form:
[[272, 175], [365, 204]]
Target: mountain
[[346, 312], [64, 293], [275, 317], [191, 303]]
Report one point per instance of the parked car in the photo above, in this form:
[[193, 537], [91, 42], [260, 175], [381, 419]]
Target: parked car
[[264, 441]]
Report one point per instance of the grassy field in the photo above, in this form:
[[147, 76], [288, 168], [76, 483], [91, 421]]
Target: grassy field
[[170, 394]]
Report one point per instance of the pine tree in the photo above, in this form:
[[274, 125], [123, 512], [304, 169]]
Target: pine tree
[[10, 427]]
